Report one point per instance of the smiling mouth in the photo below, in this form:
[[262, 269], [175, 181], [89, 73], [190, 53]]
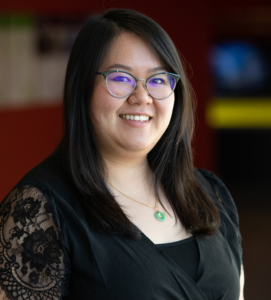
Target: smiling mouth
[[136, 118]]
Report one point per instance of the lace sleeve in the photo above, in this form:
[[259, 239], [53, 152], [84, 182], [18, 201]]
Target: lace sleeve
[[31, 255]]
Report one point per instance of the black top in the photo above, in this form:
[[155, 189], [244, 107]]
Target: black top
[[48, 250], [185, 254]]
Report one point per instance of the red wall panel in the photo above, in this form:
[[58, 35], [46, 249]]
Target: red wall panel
[[27, 136]]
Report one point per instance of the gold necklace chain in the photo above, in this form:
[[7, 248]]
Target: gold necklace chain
[[158, 214], [153, 207]]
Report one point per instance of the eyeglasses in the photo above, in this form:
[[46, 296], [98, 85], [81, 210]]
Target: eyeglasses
[[121, 84]]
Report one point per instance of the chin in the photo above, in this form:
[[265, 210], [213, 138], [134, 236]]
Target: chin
[[139, 147]]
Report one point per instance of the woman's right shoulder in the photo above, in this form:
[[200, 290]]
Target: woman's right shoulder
[[34, 234], [44, 189], [50, 178]]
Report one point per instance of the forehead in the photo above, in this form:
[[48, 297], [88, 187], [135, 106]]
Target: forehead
[[131, 50]]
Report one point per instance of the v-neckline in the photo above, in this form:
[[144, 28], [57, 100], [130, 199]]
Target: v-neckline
[[173, 262], [176, 269], [150, 241]]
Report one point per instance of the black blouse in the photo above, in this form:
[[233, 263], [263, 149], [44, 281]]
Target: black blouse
[[185, 254], [48, 250]]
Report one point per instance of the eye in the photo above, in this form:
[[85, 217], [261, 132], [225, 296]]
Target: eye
[[157, 81], [121, 79]]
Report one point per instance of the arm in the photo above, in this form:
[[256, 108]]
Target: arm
[[242, 283], [3, 295], [32, 262]]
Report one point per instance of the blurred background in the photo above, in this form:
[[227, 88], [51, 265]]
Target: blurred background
[[226, 48]]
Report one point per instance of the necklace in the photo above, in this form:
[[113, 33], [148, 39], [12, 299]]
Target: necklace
[[158, 214]]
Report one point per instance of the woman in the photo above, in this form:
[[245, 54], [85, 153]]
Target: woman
[[118, 212]]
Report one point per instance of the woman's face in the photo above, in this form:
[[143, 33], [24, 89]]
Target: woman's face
[[119, 136]]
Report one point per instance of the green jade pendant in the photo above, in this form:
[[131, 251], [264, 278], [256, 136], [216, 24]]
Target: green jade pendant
[[160, 216]]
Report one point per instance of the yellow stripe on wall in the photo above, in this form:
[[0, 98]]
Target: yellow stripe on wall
[[239, 113]]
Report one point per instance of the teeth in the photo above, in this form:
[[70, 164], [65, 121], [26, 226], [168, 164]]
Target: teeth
[[135, 118]]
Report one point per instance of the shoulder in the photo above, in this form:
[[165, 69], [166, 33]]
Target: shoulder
[[50, 178], [49, 172], [223, 200], [47, 186], [218, 191]]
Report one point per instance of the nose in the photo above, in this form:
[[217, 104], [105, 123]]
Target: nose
[[140, 94]]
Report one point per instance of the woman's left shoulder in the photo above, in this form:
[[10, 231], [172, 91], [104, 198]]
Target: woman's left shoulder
[[223, 200], [218, 191]]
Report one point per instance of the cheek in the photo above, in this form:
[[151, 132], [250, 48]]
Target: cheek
[[171, 106], [166, 109], [101, 102], [104, 112]]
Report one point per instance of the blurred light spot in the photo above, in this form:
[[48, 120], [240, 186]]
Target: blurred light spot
[[239, 113]]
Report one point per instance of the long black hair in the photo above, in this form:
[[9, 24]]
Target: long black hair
[[171, 159]]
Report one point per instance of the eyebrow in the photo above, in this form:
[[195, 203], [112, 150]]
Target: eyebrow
[[157, 69], [127, 68]]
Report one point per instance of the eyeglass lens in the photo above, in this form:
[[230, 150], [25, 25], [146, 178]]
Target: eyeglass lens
[[120, 84]]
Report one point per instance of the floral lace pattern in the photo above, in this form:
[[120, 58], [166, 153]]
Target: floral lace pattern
[[31, 255]]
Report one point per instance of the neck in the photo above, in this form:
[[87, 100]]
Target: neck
[[129, 174]]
